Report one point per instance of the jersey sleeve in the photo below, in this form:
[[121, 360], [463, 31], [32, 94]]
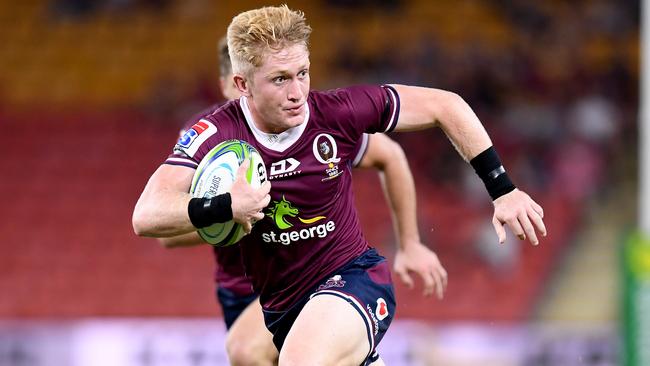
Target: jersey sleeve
[[197, 117], [374, 108], [192, 146], [360, 150]]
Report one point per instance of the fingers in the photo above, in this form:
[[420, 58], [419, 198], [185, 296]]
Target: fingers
[[241, 171], [247, 226], [266, 200], [258, 216], [529, 230], [405, 277], [498, 227], [266, 187], [538, 209], [429, 282], [441, 283], [516, 228], [435, 279], [536, 218], [443, 274]]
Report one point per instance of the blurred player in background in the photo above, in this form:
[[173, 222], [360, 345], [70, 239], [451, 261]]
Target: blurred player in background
[[249, 342], [327, 296]]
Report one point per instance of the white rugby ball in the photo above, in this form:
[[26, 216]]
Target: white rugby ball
[[216, 174]]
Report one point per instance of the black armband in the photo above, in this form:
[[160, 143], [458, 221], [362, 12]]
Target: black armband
[[204, 212], [488, 167]]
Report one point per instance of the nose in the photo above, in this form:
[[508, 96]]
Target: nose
[[294, 92]]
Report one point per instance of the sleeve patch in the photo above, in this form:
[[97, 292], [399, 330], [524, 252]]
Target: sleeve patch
[[192, 139]]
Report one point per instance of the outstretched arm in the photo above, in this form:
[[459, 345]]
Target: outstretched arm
[[425, 107], [412, 255]]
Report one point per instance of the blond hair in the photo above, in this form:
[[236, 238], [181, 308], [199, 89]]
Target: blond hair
[[253, 33]]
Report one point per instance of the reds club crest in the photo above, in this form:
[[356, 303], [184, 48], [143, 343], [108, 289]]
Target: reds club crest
[[326, 152]]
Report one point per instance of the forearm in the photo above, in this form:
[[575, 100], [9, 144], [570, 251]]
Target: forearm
[[426, 107], [185, 240], [399, 190], [464, 129], [164, 216]]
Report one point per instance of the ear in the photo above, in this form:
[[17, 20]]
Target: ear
[[242, 85]]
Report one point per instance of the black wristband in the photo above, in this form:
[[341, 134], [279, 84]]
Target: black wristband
[[204, 212], [488, 167]]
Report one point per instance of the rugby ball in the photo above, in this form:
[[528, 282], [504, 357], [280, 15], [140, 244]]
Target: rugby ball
[[216, 174]]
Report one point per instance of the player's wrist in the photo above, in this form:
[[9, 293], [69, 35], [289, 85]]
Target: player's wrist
[[406, 242], [204, 212], [488, 167]]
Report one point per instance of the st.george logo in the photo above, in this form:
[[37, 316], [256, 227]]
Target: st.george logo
[[283, 208], [283, 213]]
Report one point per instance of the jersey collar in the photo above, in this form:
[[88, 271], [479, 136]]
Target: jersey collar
[[274, 141]]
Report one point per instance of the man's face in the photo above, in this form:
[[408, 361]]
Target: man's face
[[277, 90]]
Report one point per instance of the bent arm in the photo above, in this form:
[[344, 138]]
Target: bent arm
[[161, 210], [427, 107], [412, 255], [424, 107]]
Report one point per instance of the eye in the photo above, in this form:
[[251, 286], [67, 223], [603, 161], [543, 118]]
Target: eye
[[278, 79], [303, 73]]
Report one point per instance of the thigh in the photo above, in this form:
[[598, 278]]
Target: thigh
[[328, 331], [249, 334], [233, 304]]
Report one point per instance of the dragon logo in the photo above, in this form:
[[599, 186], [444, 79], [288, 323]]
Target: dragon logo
[[281, 209], [284, 208]]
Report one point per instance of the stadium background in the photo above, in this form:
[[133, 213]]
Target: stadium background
[[92, 94]]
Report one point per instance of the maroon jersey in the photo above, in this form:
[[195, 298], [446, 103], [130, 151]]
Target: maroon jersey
[[229, 273], [311, 226]]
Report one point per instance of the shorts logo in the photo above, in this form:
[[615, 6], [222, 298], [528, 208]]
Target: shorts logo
[[382, 309], [375, 322], [334, 281], [191, 134], [326, 151]]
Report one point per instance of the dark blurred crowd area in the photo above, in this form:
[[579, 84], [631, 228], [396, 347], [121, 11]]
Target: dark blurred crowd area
[[559, 98]]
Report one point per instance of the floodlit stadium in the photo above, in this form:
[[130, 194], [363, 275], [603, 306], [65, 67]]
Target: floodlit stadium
[[92, 97]]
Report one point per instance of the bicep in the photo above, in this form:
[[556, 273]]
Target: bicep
[[172, 177], [167, 179], [420, 107]]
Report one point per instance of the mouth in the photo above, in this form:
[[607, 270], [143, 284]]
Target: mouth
[[295, 110]]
